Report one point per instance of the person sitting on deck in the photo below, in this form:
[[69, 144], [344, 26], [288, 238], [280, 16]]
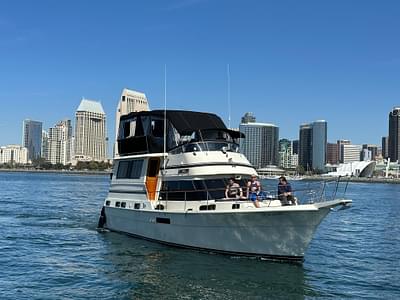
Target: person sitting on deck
[[233, 189], [253, 190], [285, 192]]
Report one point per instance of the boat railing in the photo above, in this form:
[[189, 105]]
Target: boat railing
[[312, 192], [223, 146]]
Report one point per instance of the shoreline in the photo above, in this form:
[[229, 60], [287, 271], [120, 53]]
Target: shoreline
[[108, 172], [355, 179], [66, 172]]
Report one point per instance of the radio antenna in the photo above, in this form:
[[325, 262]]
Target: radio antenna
[[229, 95], [165, 114]]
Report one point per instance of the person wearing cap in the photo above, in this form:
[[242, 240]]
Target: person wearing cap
[[253, 190]]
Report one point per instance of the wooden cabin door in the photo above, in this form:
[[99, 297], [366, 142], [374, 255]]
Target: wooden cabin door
[[153, 168]]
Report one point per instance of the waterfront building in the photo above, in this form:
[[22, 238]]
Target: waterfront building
[[295, 146], [90, 131], [130, 101], [285, 153], [394, 134], [357, 169], [319, 141], [60, 143], [32, 138], [248, 118], [385, 147], [332, 153], [305, 146], [14, 154], [45, 145], [261, 143], [294, 160], [340, 144], [351, 153], [370, 153]]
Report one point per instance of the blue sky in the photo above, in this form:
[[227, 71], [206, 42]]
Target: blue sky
[[290, 61]]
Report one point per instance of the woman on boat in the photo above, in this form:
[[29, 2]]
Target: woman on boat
[[253, 190]]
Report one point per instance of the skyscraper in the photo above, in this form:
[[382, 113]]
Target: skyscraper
[[261, 143], [340, 144], [319, 141], [305, 146], [90, 131], [60, 143], [285, 153], [32, 138], [332, 153], [385, 146], [351, 153], [130, 101], [394, 134]]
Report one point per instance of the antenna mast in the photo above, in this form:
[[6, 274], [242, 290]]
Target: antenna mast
[[165, 114], [229, 95]]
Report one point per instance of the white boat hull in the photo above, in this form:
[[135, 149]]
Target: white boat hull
[[275, 233]]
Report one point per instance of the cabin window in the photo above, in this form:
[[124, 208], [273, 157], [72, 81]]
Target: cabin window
[[123, 204], [130, 169], [207, 207], [117, 204], [123, 167], [157, 128], [136, 169], [137, 206]]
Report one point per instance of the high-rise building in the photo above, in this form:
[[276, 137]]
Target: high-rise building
[[285, 153], [32, 138], [394, 134], [90, 131], [60, 143], [45, 145], [385, 146], [261, 143], [295, 146], [340, 144], [370, 154], [248, 118], [305, 146], [319, 141], [14, 154], [351, 153], [130, 101], [332, 153]]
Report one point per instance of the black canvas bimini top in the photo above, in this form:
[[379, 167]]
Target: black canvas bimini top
[[185, 122]]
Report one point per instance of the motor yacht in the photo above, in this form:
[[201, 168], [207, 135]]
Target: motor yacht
[[168, 185]]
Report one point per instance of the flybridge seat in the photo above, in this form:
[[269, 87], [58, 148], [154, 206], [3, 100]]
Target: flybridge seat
[[143, 132]]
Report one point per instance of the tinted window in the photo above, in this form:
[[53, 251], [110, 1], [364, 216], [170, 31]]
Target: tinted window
[[130, 169], [123, 169], [136, 170]]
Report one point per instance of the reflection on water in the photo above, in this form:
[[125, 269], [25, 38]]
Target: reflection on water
[[154, 270]]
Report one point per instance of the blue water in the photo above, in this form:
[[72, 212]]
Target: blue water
[[50, 249]]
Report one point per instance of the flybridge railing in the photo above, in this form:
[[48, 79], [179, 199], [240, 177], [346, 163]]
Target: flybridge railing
[[206, 146]]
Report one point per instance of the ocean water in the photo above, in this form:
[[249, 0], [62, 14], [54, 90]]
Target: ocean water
[[50, 249]]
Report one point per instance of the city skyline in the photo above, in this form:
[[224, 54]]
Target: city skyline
[[290, 63]]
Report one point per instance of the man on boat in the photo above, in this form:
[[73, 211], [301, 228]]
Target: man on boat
[[285, 192], [233, 189], [253, 190]]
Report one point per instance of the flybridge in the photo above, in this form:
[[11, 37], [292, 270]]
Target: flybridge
[[143, 132]]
